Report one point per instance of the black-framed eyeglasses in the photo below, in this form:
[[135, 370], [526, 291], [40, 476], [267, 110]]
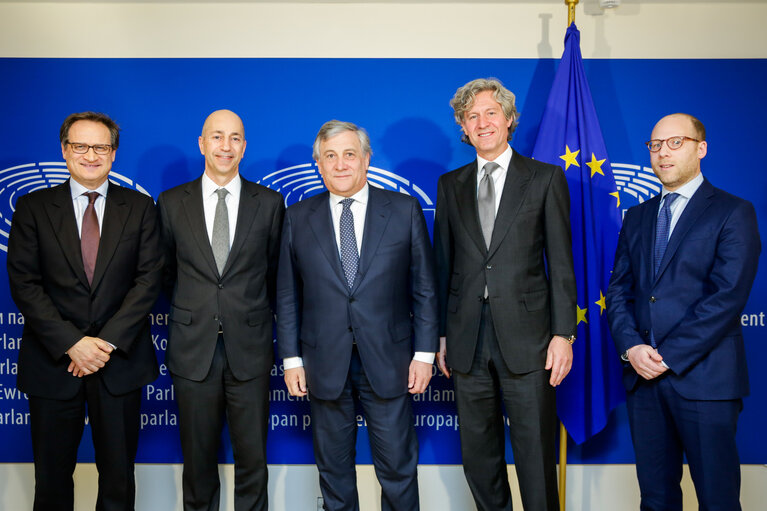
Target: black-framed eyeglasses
[[672, 143], [84, 148]]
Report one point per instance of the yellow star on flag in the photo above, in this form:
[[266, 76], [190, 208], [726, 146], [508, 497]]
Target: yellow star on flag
[[581, 315], [595, 165], [601, 302], [569, 158], [617, 196]]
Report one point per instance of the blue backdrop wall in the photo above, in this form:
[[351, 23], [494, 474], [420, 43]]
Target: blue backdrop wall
[[403, 103]]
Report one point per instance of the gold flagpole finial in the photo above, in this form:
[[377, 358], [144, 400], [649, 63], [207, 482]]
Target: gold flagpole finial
[[571, 11]]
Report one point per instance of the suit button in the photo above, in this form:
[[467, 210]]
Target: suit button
[[489, 267], [215, 317], [646, 333], [221, 286], [652, 299], [351, 299], [351, 329]]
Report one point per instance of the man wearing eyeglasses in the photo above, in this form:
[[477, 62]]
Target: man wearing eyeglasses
[[684, 267], [84, 266]]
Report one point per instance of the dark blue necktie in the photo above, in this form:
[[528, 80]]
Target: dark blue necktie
[[662, 229], [349, 257]]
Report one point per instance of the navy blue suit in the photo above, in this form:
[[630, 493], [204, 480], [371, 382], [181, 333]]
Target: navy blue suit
[[692, 307], [363, 337]]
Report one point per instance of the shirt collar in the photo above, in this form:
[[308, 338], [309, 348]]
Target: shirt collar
[[209, 186], [503, 160], [76, 189], [688, 189], [361, 196]]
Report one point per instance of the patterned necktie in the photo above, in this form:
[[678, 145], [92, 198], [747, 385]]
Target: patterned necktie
[[90, 236], [220, 241], [662, 229], [349, 256], [486, 201]]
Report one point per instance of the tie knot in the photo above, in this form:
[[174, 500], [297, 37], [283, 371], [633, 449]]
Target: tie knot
[[221, 192], [92, 196], [490, 167], [347, 203], [669, 200]]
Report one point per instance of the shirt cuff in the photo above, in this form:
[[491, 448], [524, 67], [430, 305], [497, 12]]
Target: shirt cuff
[[424, 356], [292, 363]]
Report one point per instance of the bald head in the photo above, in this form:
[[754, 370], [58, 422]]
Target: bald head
[[223, 144], [223, 116], [681, 118]]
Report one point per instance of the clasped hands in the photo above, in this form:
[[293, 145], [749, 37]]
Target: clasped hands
[[88, 355]]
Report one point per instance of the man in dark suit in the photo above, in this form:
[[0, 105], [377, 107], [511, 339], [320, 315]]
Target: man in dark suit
[[684, 267], [221, 238], [84, 266], [507, 300], [355, 298]]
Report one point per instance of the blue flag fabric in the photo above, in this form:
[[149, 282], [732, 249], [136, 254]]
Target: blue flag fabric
[[570, 136]]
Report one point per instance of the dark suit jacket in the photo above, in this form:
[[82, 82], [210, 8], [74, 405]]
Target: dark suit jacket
[[693, 306], [528, 268], [391, 311], [240, 298], [49, 286]]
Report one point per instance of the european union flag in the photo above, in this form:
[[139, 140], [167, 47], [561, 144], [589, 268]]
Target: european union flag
[[570, 136]]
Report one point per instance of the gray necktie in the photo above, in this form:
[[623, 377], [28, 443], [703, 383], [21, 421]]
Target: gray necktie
[[220, 241], [486, 201], [349, 256]]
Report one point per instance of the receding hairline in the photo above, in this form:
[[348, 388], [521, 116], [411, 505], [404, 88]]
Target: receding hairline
[[691, 119]]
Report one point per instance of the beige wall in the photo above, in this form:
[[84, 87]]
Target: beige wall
[[637, 29]]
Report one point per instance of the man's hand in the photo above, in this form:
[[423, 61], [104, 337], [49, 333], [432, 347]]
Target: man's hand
[[559, 358], [295, 380], [646, 361], [418, 379], [88, 355], [442, 357]]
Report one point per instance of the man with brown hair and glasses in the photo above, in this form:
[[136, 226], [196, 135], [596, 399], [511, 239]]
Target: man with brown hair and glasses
[[684, 267], [84, 266]]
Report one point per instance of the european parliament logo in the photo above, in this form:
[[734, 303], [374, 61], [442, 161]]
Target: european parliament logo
[[22, 179], [301, 181], [635, 184]]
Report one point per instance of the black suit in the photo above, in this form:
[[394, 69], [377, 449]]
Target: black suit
[[239, 302], [502, 341], [49, 286]]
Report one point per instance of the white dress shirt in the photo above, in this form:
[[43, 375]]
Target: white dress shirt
[[210, 199], [80, 202], [499, 176], [359, 209]]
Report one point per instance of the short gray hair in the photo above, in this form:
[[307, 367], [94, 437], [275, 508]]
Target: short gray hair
[[332, 128], [465, 96]]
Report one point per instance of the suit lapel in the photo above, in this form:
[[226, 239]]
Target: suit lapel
[[61, 213], [647, 230], [518, 177], [321, 224], [376, 219], [246, 213], [116, 211], [699, 202], [466, 197], [195, 216]]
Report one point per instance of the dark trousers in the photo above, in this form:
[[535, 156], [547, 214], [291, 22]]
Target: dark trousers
[[202, 406], [57, 428], [664, 427], [531, 409], [393, 445]]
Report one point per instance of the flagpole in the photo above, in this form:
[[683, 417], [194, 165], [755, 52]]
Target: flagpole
[[562, 430]]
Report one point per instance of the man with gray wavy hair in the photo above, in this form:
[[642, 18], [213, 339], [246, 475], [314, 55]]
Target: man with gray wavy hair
[[507, 300]]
